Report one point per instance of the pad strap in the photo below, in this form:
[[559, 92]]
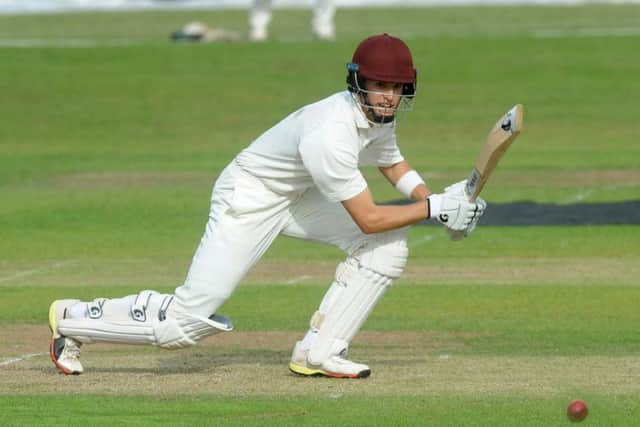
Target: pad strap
[[139, 307], [162, 312]]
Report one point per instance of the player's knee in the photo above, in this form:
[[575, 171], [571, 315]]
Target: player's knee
[[385, 253]]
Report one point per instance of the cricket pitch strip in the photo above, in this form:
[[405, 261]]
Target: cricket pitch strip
[[255, 364]]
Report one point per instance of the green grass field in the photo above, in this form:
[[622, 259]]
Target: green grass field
[[111, 138]]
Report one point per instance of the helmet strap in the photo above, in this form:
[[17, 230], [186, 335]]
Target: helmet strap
[[371, 113], [361, 96], [355, 85]]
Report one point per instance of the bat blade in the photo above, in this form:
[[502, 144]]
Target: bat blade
[[503, 133], [500, 137]]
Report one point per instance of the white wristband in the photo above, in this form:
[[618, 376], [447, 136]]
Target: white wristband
[[434, 205], [408, 182]]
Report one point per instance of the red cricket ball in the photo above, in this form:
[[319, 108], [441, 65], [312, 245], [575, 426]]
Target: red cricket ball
[[577, 410]]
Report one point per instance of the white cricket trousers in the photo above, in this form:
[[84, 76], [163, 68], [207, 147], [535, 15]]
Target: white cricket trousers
[[321, 24], [244, 220]]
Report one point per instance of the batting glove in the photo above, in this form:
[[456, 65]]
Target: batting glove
[[452, 210]]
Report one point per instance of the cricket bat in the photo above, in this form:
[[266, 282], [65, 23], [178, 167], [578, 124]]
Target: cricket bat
[[503, 133]]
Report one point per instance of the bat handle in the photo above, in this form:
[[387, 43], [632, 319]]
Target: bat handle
[[456, 235], [473, 186]]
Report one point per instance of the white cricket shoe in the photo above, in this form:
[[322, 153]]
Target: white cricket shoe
[[258, 34], [326, 34], [335, 366], [64, 351]]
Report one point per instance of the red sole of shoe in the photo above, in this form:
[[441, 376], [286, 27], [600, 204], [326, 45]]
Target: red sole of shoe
[[55, 361]]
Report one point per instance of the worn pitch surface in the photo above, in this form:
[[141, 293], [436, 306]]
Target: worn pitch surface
[[255, 363]]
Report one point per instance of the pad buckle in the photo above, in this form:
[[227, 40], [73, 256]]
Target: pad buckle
[[94, 308], [139, 307]]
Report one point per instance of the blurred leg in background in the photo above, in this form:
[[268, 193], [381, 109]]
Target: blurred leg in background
[[322, 25]]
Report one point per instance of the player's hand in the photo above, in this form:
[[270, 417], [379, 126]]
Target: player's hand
[[482, 205], [459, 235], [457, 188], [452, 210]]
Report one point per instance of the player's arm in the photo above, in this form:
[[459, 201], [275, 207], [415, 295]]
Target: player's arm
[[406, 180], [451, 208], [373, 218]]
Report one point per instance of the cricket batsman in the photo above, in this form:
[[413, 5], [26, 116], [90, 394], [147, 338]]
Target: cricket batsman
[[301, 178]]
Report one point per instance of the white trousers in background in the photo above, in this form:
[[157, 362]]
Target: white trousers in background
[[321, 25]]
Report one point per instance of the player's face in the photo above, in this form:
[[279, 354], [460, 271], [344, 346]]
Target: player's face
[[383, 99]]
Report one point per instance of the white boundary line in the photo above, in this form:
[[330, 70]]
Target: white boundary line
[[550, 33], [63, 43], [580, 196], [21, 358], [587, 32], [421, 241], [297, 280], [36, 271]]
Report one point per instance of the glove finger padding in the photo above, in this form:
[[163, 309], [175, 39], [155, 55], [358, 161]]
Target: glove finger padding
[[456, 212], [481, 206]]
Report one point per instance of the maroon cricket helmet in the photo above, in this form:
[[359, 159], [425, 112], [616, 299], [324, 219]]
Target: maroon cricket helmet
[[383, 58]]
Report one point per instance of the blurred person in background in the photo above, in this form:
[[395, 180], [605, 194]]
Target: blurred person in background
[[322, 25]]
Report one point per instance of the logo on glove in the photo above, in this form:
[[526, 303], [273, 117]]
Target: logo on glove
[[443, 217]]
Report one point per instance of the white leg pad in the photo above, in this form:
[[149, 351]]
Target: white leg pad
[[385, 253], [359, 284], [355, 293], [146, 318]]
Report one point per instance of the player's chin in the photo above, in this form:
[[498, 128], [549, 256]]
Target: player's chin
[[380, 115], [385, 111], [383, 119]]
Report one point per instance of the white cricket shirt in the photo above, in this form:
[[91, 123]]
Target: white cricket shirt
[[321, 144]]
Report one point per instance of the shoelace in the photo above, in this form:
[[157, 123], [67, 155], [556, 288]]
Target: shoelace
[[71, 349]]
